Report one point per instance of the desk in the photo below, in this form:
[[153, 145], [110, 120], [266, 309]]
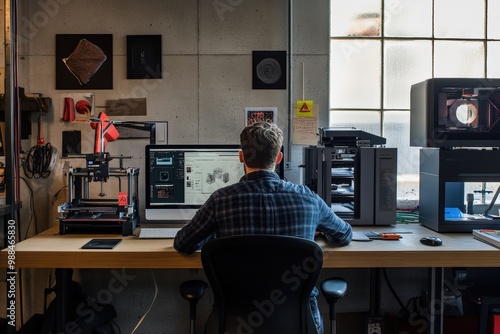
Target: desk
[[49, 250]]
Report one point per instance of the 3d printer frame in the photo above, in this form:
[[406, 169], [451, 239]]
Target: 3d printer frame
[[83, 214]]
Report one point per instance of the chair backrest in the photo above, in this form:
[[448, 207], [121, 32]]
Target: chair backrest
[[261, 283]]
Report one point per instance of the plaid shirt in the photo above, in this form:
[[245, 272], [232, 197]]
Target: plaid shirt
[[261, 203]]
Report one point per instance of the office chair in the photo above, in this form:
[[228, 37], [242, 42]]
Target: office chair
[[262, 284]]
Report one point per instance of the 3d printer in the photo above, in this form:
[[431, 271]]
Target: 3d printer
[[82, 214], [457, 122], [354, 175]]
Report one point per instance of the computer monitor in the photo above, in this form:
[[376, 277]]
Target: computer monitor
[[180, 178]]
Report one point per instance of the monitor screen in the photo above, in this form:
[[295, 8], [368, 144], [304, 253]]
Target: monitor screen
[[180, 178]]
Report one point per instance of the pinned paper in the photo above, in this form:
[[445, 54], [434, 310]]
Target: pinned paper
[[305, 108], [305, 129]]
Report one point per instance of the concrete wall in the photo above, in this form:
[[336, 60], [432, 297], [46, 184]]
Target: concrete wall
[[206, 84], [207, 68]]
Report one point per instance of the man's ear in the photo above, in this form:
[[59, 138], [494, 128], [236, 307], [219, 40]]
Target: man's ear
[[242, 158], [279, 157]]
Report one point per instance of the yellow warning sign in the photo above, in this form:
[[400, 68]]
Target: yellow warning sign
[[305, 108]]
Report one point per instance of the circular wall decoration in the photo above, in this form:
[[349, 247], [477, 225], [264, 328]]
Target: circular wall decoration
[[269, 70]]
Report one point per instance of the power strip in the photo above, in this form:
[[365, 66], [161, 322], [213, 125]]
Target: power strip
[[374, 328]]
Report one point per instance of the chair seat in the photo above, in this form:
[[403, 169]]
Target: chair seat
[[333, 289], [193, 290]]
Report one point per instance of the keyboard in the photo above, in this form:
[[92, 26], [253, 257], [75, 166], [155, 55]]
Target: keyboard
[[158, 232], [360, 236]]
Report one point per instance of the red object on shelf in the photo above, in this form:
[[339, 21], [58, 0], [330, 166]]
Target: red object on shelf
[[69, 109], [83, 107]]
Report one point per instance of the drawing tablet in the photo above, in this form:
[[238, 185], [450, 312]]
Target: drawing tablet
[[101, 244]]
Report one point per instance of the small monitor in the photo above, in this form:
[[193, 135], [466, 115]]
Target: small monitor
[[180, 178]]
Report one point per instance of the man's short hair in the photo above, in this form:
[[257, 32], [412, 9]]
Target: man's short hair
[[261, 143]]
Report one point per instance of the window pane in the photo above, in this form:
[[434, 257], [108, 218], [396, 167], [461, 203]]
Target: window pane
[[368, 121], [356, 65], [403, 18], [396, 131], [459, 19], [355, 74], [406, 63], [362, 18], [459, 59], [493, 60], [493, 19]]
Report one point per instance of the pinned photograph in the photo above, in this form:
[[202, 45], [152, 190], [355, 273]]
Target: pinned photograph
[[260, 114], [84, 61]]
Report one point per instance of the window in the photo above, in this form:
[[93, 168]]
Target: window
[[379, 48]]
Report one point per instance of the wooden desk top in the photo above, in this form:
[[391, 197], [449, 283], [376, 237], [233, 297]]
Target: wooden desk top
[[49, 250]]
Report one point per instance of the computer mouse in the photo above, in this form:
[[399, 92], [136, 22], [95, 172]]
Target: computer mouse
[[431, 241]]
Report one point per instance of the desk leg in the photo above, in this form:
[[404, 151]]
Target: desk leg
[[375, 321], [436, 306], [375, 287], [63, 290]]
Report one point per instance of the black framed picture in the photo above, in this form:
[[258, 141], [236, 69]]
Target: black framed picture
[[84, 61], [269, 70], [144, 57]]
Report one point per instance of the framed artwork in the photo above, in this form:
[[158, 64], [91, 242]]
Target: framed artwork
[[84, 61], [261, 114], [269, 70], [144, 57]]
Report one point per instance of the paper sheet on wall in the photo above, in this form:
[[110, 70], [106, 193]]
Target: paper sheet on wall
[[305, 129]]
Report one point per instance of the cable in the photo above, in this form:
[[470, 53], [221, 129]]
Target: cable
[[407, 215], [38, 162], [114, 324], [32, 211], [54, 198], [150, 306], [2, 177], [403, 307], [41, 106]]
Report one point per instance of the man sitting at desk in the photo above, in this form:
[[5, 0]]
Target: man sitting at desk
[[262, 203]]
